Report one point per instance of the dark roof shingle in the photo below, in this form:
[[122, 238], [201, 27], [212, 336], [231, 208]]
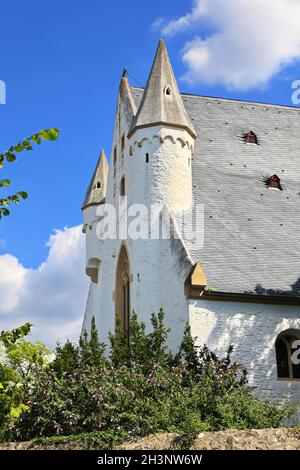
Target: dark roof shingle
[[252, 241]]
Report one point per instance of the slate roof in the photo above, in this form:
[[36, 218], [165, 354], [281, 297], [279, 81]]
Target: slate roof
[[252, 242]]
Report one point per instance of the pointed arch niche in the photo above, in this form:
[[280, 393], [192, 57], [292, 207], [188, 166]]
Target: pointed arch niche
[[122, 291]]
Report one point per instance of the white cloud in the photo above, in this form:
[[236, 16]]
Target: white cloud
[[53, 296], [249, 41]]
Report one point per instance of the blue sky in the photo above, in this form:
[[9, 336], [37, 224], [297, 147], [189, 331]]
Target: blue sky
[[62, 62]]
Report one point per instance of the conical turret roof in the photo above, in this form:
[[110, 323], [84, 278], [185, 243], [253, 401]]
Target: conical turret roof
[[97, 188], [162, 102]]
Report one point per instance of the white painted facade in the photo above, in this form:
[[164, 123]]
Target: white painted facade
[[156, 164], [158, 267], [252, 330]]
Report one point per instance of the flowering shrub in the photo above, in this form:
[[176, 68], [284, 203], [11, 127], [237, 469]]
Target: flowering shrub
[[140, 388]]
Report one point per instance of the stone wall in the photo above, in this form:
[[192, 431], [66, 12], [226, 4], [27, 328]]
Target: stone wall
[[252, 330]]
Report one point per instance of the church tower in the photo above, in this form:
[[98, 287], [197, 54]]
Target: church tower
[[161, 141], [150, 169]]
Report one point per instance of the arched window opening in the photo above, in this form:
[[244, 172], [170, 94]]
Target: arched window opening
[[168, 91], [115, 161], [286, 345], [274, 183], [251, 138], [122, 292], [97, 185], [123, 144], [122, 187]]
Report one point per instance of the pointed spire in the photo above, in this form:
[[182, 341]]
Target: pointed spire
[[125, 93], [97, 188], [162, 102]]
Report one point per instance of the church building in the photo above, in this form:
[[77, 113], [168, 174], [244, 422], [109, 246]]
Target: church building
[[238, 281]]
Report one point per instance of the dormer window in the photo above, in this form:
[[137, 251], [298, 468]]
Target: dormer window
[[251, 138], [274, 183], [168, 91]]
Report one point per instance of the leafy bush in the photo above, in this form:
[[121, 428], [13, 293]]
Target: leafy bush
[[18, 360], [139, 389]]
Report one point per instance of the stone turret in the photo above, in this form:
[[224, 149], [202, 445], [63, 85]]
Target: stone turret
[[96, 192], [95, 196], [162, 103], [161, 140]]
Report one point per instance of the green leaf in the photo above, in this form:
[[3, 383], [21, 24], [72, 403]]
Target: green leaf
[[4, 211], [15, 199], [23, 194], [4, 183], [4, 202], [36, 139], [19, 147], [10, 156], [49, 134], [27, 145]]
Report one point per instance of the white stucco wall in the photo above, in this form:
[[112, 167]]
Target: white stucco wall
[[157, 282], [158, 267], [168, 175], [252, 330]]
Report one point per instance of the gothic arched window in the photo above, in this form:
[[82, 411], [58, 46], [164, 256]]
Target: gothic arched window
[[287, 344], [122, 291]]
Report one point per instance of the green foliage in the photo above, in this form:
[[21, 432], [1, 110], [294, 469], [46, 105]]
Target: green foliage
[[143, 349], [10, 337], [92, 440], [18, 361], [10, 156], [24, 357], [140, 389]]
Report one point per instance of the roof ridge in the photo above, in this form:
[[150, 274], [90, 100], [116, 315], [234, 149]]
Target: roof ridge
[[260, 103]]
